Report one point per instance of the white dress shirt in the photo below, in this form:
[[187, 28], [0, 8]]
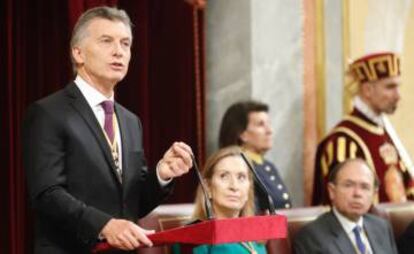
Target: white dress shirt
[[349, 225]]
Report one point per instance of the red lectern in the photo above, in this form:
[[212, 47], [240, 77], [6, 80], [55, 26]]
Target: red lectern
[[219, 231]]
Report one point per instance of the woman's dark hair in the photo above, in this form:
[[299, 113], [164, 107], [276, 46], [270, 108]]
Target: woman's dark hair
[[235, 121]]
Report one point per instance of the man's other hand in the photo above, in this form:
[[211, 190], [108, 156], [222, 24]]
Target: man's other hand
[[176, 161]]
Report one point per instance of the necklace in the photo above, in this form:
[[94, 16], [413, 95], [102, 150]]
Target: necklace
[[249, 247]]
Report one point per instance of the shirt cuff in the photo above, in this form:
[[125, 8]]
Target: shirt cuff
[[163, 183], [101, 237]]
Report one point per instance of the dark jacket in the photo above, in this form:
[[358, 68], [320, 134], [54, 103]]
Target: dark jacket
[[70, 172]]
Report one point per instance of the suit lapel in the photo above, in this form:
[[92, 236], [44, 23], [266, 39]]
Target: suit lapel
[[374, 237], [80, 104], [122, 122], [341, 239]]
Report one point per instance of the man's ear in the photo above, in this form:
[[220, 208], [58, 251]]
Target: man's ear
[[77, 55], [366, 89], [375, 194], [331, 191]]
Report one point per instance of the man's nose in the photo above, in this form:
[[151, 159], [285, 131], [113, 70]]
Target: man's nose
[[357, 191], [118, 50], [397, 94]]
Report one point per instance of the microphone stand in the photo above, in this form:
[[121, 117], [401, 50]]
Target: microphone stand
[[262, 186], [207, 203]]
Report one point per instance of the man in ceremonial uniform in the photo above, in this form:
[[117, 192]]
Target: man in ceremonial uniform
[[366, 133]]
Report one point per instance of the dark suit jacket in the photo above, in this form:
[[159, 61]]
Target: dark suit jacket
[[406, 240], [70, 172], [326, 235]]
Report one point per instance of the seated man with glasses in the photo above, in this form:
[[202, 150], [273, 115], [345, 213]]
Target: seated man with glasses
[[347, 228]]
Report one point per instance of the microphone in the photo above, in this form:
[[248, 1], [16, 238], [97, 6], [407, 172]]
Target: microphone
[[262, 186], [207, 202]]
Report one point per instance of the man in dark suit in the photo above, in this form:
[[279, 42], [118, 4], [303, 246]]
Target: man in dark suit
[[83, 153], [348, 228]]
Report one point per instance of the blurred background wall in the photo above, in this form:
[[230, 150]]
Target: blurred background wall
[[293, 56]]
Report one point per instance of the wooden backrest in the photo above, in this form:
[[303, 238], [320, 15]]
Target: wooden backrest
[[299, 217], [400, 215], [165, 217]]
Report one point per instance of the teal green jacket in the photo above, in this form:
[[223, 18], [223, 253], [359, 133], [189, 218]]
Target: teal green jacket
[[223, 248]]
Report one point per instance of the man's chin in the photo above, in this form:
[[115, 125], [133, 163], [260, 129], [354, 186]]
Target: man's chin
[[390, 111], [117, 78]]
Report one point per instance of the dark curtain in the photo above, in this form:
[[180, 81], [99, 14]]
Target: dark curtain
[[160, 87], [164, 59]]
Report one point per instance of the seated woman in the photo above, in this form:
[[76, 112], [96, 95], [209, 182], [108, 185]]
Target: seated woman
[[230, 189], [247, 124]]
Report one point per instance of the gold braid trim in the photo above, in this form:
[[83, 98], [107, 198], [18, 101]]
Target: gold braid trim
[[367, 126]]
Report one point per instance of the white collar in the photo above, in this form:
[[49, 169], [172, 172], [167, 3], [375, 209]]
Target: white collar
[[346, 223], [367, 111], [91, 94]]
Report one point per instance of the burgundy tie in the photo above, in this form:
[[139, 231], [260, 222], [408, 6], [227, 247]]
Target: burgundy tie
[[108, 107]]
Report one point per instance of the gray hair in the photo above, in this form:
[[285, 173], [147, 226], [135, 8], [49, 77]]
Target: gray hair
[[104, 12]]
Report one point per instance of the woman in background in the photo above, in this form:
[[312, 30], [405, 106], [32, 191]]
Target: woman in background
[[247, 124], [230, 189]]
